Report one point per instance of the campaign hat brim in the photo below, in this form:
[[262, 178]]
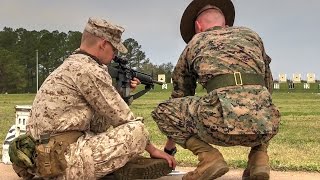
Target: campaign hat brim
[[190, 14]]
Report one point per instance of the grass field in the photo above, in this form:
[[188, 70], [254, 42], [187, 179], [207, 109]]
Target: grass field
[[296, 147]]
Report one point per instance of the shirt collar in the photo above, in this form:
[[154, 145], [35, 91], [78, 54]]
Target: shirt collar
[[214, 28]]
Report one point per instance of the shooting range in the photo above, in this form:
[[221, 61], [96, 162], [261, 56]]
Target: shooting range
[[298, 83], [37, 36]]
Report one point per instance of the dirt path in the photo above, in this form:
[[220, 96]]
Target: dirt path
[[7, 173]]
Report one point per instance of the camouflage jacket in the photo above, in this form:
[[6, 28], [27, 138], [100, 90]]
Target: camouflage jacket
[[78, 95], [247, 109]]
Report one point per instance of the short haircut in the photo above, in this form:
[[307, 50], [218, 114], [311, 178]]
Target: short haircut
[[211, 15], [89, 39]]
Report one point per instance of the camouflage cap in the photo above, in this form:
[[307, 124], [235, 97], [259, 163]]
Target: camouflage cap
[[107, 30], [196, 7]]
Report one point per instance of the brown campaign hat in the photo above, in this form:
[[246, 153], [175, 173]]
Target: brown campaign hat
[[107, 30], [191, 13]]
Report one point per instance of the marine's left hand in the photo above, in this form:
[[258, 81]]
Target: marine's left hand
[[134, 83]]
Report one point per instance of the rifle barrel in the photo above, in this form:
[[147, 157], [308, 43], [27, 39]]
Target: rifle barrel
[[157, 82]]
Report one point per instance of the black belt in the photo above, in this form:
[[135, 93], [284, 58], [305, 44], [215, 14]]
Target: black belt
[[235, 79]]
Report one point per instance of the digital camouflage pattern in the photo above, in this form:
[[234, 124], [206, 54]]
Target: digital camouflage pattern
[[104, 29], [95, 155], [225, 112], [79, 96], [72, 94]]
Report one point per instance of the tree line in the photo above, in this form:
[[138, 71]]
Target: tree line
[[18, 49]]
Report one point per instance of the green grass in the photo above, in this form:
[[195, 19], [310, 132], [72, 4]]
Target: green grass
[[296, 147], [7, 111]]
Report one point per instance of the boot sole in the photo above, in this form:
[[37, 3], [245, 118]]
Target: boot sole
[[260, 173], [260, 177], [246, 174], [151, 170], [216, 170]]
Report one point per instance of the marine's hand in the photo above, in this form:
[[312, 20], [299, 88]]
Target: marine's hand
[[162, 155], [157, 153], [134, 83]]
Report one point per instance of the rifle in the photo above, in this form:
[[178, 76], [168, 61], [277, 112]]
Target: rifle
[[123, 75]]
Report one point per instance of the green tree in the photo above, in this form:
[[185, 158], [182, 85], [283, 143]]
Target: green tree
[[8, 38], [73, 41], [28, 42], [12, 74], [53, 48], [135, 55], [18, 54]]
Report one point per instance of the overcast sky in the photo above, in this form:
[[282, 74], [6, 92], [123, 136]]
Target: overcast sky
[[290, 29]]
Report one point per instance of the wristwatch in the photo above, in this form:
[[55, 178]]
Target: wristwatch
[[171, 152]]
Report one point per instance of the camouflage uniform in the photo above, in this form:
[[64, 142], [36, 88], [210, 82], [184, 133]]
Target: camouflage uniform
[[227, 116], [79, 96]]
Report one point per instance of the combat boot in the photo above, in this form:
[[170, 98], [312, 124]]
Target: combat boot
[[211, 163], [143, 168], [258, 164]]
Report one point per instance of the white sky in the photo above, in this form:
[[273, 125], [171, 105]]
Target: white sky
[[289, 28]]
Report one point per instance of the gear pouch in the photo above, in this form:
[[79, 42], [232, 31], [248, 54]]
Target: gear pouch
[[50, 160]]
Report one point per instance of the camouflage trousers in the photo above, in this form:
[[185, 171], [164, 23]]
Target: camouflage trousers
[[96, 155], [181, 118]]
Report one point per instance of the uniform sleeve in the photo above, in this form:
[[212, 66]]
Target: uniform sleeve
[[184, 82], [96, 87], [268, 75]]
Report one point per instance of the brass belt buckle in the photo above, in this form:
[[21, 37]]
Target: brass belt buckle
[[237, 75]]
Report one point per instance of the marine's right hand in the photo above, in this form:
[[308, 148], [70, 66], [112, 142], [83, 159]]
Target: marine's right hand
[[157, 153]]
